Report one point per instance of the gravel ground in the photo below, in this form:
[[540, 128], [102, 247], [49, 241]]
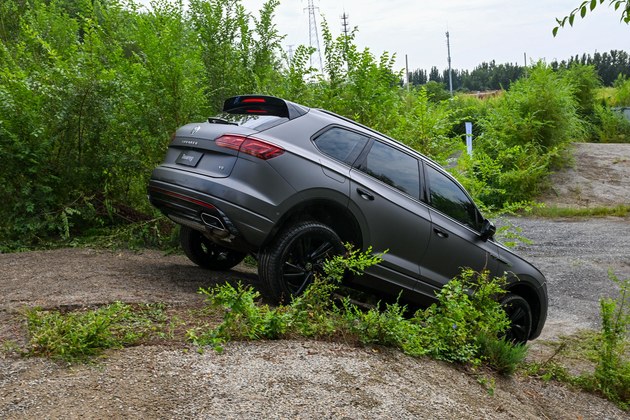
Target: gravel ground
[[288, 379]]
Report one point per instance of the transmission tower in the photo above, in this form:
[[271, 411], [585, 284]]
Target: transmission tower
[[344, 29], [313, 37]]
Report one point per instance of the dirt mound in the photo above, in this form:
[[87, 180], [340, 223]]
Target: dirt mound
[[599, 177]]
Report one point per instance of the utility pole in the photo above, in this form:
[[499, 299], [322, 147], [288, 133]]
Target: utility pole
[[407, 71], [450, 72], [290, 53], [313, 37]]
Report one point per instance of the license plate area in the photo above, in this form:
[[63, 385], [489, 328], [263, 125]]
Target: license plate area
[[189, 158]]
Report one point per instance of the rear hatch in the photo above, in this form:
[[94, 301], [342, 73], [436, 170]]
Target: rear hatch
[[211, 148]]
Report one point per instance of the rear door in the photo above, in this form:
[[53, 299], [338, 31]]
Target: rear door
[[385, 189]]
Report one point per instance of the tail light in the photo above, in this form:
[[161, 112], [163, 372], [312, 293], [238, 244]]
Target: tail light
[[253, 147]]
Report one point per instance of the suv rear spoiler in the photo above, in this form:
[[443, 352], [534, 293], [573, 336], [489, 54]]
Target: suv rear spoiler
[[263, 105]]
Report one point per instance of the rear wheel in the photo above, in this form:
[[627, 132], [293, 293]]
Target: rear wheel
[[205, 253], [520, 316], [289, 264]]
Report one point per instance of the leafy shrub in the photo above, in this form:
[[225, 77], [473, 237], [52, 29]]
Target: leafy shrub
[[608, 349], [612, 373], [467, 309], [524, 135], [464, 326], [242, 317], [621, 95], [610, 126]]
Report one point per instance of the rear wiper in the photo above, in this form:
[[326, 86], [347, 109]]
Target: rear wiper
[[212, 120]]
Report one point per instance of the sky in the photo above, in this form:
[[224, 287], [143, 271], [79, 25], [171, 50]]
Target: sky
[[480, 30]]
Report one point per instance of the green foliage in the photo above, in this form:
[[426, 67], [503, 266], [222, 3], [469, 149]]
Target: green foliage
[[621, 95], [463, 327], [588, 6], [608, 349], [73, 336], [90, 93], [467, 309], [612, 373], [552, 212], [611, 126], [501, 355], [524, 135], [585, 83], [389, 327], [242, 317], [310, 314]]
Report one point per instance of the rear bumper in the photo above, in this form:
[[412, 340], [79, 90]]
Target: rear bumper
[[210, 215]]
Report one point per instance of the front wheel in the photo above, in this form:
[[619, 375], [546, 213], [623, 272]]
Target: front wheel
[[289, 264], [520, 315], [205, 253]]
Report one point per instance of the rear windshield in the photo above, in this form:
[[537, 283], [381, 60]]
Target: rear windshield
[[255, 122]]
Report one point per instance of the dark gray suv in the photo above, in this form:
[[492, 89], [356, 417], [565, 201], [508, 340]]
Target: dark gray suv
[[290, 185]]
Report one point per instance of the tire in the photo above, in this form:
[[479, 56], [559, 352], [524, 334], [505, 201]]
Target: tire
[[205, 253], [520, 315], [288, 265]]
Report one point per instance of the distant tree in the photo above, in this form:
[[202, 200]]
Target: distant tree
[[418, 77], [435, 75], [589, 6]]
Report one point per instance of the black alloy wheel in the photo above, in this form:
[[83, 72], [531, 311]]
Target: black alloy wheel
[[520, 316], [205, 253], [293, 260]]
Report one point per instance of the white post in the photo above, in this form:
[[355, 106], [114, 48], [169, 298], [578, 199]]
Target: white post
[[469, 138]]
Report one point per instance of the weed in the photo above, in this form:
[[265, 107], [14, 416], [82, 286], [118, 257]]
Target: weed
[[608, 350], [467, 309], [456, 329], [612, 373], [73, 336], [621, 210], [501, 355]]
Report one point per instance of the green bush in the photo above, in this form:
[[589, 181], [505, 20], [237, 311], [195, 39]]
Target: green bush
[[467, 310], [612, 373], [610, 126], [525, 133], [621, 95]]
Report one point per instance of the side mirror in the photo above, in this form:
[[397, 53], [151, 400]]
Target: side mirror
[[488, 229]]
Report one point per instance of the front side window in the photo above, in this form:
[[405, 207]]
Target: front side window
[[343, 145], [447, 197], [394, 168]]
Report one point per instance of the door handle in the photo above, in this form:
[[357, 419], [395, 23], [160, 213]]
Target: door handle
[[365, 195], [440, 233]]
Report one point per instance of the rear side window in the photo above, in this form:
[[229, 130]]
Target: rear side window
[[394, 168], [447, 197], [343, 145]]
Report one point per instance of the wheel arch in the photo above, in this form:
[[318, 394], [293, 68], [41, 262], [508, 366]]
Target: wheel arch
[[523, 289], [331, 213]]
